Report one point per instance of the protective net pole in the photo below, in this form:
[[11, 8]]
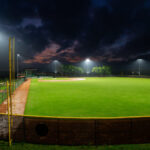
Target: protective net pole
[[8, 108], [14, 61], [13, 69], [10, 84]]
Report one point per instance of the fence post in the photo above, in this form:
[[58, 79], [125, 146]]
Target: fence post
[[1, 93], [10, 83], [14, 63], [9, 123]]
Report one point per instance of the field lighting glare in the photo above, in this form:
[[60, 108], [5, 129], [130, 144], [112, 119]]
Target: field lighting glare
[[87, 60], [3, 38], [18, 55], [87, 63], [139, 62], [55, 63], [0, 36]]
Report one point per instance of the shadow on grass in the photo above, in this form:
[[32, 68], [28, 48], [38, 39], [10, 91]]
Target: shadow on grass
[[27, 146]]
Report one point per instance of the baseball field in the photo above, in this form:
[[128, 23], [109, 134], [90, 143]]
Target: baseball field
[[89, 97]]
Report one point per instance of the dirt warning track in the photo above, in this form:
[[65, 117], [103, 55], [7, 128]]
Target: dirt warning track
[[19, 99]]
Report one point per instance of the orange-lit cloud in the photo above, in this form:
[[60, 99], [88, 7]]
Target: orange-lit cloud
[[47, 55], [115, 59], [68, 54], [73, 59]]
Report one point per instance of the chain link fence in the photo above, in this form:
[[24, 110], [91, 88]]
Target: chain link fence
[[14, 86], [3, 91]]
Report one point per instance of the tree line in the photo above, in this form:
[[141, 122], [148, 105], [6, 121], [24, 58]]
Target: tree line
[[76, 70], [102, 70]]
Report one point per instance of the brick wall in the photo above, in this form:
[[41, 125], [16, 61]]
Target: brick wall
[[77, 131]]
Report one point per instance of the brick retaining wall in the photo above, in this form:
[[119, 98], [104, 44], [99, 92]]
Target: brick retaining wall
[[61, 131]]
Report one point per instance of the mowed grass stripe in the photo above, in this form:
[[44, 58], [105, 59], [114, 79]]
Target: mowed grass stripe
[[93, 97]]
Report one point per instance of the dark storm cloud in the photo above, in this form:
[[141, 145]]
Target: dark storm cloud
[[126, 18], [13, 11], [104, 29], [65, 19]]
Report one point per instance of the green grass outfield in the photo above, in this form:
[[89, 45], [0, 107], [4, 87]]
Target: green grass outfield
[[25, 146], [93, 97]]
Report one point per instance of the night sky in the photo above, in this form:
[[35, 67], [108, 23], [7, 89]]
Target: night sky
[[72, 30]]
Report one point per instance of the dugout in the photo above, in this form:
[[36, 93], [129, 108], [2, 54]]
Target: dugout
[[31, 72]]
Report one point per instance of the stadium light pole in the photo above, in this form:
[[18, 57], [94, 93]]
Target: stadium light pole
[[55, 66], [87, 61], [139, 62], [18, 55]]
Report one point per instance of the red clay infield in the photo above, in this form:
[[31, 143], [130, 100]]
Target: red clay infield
[[65, 80]]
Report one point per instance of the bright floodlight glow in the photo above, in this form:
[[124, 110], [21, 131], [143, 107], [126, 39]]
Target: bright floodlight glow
[[0, 36], [18, 55], [55, 61], [87, 60], [87, 63], [56, 66], [140, 63], [139, 60]]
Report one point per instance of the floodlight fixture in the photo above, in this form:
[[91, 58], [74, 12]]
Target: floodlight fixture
[[18, 55], [87, 60], [87, 63], [55, 61], [139, 62], [55, 66]]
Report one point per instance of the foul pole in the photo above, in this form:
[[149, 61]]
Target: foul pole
[[10, 90], [9, 122], [14, 62]]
